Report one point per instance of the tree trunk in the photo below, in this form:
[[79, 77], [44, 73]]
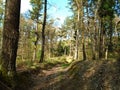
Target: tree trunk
[[110, 48], [76, 46], [93, 48], [76, 57], [83, 43], [10, 38], [43, 33], [84, 52], [70, 53], [36, 42], [106, 53], [102, 41], [83, 33], [49, 49]]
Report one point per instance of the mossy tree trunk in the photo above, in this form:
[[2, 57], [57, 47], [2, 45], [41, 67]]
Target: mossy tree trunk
[[10, 38], [36, 43]]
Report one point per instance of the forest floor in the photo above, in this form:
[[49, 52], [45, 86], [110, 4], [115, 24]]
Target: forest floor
[[80, 75], [48, 77]]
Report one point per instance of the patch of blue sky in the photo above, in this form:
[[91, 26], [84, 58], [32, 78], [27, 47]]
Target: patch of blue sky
[[57, 9]]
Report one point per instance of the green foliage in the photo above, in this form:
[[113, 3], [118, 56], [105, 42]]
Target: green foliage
[[60, 49], [60, 60], [65, 65], [36, 9], [106, 8]]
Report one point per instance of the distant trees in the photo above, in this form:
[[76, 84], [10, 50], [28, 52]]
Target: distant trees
[[28, 37], [35, 15], [106, 14], [77, 8], [26, 40], [88, 34], [93, 25], [50, 35], [10, 38]]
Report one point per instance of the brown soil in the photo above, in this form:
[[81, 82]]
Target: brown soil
[[82, 75], [47, 77]]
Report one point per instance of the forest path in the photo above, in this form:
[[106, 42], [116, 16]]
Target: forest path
[[82, 75], [48, 77]]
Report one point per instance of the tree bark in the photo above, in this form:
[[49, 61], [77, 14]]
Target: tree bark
[[43, 33], [10, 37], [83, 33], [110, 46], [76, 46], [102, 41], [76, 56], [36, 42]]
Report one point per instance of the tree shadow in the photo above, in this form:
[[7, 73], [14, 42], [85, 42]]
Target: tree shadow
[[90, 75], [82, 75]]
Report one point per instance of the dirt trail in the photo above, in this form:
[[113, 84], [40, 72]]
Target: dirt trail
[[82, 75], [48, 77]]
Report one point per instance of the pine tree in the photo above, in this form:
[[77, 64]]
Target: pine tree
[[35, 14], [10, 38], [43, 32]]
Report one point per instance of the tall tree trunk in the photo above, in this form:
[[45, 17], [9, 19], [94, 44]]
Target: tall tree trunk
[[83, 32], [96, 33], [70, 54], [76, 46], [93, 48], [43, 33], [77, 35], [102, 41], [110, 48], [83, 43], [49, 49], [10, 37], [76, 57], [36, 42], [84, 51]]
